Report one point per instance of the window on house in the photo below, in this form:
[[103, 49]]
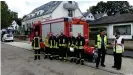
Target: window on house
[[91, 16], [70, 13], [70, 2], [123, 29]]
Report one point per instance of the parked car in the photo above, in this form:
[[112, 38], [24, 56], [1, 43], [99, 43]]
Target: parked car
[[8, 38]]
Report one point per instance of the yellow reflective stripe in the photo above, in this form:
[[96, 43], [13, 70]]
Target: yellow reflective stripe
[[63, 40], [80, 47], [80, 42], [54, 43]]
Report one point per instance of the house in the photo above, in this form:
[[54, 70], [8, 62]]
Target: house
[[91, 17], [52, 10], [15, 25], [120, 22]]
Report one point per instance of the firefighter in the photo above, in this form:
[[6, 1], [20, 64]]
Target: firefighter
[[80, 42], [118, 50], [36, 46], [71, 47], [101, 42], [62, 40], [52, 45], [57, 47], [46, 46]]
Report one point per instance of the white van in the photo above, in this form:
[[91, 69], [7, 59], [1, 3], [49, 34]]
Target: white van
[[8, 37]]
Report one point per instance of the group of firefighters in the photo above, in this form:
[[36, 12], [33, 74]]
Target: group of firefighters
[[61, 47]]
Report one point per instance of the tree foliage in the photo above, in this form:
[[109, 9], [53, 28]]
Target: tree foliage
[[112, 7], [7, 16]]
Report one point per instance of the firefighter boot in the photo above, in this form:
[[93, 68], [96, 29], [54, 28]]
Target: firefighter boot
[[82, 61], [39, 57], [74, 59], [45, 56], [56, 57], [77, 61], [71, 59], [35, 57], [65, 58], [60, 58], [51, 57]]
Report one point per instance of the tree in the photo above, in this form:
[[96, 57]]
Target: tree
[[18, 21], [7, 16], [112, 7]]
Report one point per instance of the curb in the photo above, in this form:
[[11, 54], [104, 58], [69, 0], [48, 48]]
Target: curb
[[118, 73]]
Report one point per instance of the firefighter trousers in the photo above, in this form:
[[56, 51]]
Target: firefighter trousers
[[63, 52], [102, 52], [71, 54], [37, 54], [47, 51], [114, 59], [118, 60], [80, 53]]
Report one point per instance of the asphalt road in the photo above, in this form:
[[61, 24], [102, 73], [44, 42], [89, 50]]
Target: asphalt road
[[17, 61]]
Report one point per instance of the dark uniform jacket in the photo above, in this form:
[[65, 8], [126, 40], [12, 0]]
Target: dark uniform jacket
[[71, 40], [62, 40], [52, 41], [36, 42], [79, 39]]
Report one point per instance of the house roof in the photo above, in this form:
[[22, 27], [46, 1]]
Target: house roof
[[47, 9], [97, 16], [85, 14], [122, 18]]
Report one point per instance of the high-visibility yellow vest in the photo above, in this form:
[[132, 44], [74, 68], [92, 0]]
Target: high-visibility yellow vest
[[99, 40], [118, 48], [36, 47], [46, 42]]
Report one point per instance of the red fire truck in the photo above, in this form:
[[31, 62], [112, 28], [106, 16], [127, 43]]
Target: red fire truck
[[68, 25], [74, 25]]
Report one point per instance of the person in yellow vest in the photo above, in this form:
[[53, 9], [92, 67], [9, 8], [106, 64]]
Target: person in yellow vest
[[46, 55], [101, 44], [36, 46], [118, 49]]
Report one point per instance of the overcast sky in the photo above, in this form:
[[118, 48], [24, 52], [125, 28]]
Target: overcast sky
[[24, 7]]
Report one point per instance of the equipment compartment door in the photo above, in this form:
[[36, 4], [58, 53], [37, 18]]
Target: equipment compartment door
[[77, 29], [45, 30], [57, 27]]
